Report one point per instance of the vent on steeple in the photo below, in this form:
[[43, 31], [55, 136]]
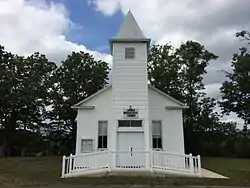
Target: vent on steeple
[[129, 53]]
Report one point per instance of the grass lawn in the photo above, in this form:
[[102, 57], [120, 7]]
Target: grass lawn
[[45, 172]]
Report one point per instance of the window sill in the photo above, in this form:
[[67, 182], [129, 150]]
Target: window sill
[[102, 149], [130, 129], [157, 149]]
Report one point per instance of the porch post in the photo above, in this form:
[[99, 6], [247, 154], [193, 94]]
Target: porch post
[[70, 162], [110, 160], [151, 160], [199, 164], [191, 163], [63, 167], [147, 143]]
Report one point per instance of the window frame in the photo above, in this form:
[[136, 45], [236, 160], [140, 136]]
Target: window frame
[[130, 120], [103, 146], [129, 53], [158, 137]]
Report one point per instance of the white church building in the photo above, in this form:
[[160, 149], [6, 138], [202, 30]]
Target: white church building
[[130, 125]]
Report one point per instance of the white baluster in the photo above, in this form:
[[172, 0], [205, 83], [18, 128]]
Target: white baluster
[[191, 162], [199, 164], [92, 161], [63, 166], [70, 162]]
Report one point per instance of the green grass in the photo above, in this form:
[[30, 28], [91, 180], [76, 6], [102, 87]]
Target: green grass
[[45, 172], [238, 170]]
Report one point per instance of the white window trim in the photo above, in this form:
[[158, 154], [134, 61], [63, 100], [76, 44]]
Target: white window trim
[[101, 149], [156, 149], [142, 122]]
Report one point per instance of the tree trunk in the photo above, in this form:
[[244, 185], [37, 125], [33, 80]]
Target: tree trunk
[[9, 132]]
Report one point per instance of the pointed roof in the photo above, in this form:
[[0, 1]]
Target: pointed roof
[[129, 28], [129, 32]]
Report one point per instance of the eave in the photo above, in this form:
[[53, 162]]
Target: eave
[[176, 107], [83, 107]]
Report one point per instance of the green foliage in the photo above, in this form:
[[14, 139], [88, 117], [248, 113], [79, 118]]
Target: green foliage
[[29, 86], [243, 34], [23, 88], [236, 89], [78, 77], [194, 59], [179, 73], [164, 70]]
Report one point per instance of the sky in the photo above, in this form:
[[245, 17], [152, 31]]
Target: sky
[[58, 27]]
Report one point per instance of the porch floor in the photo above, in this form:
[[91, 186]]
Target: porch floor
[[205, 173]]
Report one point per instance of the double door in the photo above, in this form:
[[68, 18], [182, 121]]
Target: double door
[[130, 150]]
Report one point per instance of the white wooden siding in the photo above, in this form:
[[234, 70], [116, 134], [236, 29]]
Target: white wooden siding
[[130, 84], [87, 119], [172, 123]]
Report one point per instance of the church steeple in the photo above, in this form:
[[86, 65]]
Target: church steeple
[[129, 29], [129, 32], [129, 76]]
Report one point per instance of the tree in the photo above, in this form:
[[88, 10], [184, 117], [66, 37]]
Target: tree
[[236, 89], [243, 34], [194, 59], [23, 87], [164, 70], [179, 72], [79, 76]]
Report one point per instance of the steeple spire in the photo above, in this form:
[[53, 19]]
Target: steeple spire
[[129, 32], [129, 28]]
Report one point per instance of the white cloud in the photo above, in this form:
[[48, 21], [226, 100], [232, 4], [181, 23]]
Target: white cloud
[[172, 20], [107, 7], [30, 26], [213, 23], [212, 90]]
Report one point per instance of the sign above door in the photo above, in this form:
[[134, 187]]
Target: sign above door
[[130, 113]]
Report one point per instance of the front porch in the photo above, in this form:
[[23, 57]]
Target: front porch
[[116, 161]]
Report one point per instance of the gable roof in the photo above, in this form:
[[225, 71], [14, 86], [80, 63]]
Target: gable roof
[[182, 105], [78, 105]]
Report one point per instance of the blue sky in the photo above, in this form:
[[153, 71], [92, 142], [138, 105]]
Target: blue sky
[[93, 29]]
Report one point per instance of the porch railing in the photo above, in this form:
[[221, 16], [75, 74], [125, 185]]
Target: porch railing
[[116, 160], [85, 162], [179, 163]]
